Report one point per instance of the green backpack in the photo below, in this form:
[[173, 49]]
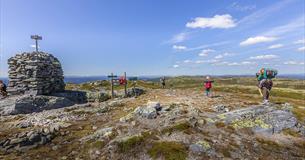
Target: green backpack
[[266, 73]]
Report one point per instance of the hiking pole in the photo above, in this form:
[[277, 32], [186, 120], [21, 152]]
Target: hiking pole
[[260, 92]]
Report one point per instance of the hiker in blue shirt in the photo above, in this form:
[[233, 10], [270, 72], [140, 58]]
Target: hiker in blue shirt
[[265, 83]]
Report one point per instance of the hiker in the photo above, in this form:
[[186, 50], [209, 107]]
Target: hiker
[[162, 81], [3, 91], [264, 77], [208, 86]]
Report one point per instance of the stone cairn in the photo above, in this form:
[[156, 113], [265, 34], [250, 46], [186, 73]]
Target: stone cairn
[[35, 73]]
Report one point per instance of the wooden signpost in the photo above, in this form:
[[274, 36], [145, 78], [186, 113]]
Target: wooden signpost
[[36, 38], [115, 81]]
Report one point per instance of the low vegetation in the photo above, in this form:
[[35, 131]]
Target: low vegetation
[[168, 150]]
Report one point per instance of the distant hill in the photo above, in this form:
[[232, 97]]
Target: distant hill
[[83, 79]]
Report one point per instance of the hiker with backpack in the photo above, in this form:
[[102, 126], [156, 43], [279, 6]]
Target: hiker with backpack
[[208, 86], [3, 92], [162, 81], [264, 77]]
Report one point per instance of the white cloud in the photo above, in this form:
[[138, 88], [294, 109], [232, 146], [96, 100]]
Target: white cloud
[[301, 49], [187, 61], [300, 41], [257, 39], [176, 47], [199, 61], [275, 46], [175, 66], [220, 63], [218, 21], [205, 52], [293, 63], [234, 64], [262, 57], [218, 56], [247, 63]]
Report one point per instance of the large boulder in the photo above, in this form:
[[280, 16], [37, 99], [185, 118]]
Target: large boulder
[[29, 104], [263, 119]]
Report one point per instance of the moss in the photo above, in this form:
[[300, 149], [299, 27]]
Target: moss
[[168, 150], [129, 143], [51, 117], [204, 144], [81, 112], [210, 120], [291, 132], [246, 123], [268, 144], [220, 124], [221, 116], [185, 126], [226, 153]]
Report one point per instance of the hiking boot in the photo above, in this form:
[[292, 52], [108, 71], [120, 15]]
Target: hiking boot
[[265, 102]]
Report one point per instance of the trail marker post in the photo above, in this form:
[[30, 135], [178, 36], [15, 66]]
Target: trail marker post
[[36, 38], [112, 84], [125, 84]]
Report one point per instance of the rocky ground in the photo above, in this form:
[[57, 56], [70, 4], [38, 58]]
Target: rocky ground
[[173, 124]]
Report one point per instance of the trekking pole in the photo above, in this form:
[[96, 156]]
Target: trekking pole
[[260, 92]]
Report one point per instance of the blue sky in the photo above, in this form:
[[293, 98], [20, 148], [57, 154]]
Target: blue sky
[[157, 37]]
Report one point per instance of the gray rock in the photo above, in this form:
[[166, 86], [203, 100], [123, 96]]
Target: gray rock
[[221, 108], [135, 92], [29, 104]]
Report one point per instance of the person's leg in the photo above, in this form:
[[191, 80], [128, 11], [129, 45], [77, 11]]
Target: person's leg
[[207, 92]]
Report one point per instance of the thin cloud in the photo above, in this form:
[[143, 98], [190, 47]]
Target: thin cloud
[[301, 49], [205, 52], [218, 56], [262, 14], [275, 46], [300, 41], [175, 66], [293, 26], [218, 21], [238, 7], [180, 37], [257, 39], [264, 57], [293, 63], [177, 47], [187, 61]]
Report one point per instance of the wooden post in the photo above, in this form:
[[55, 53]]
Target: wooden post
[[125, 84], [112, 86]]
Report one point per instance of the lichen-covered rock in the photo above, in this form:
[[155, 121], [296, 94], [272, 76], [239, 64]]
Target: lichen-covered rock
[[264, 119], [135, 92], [97, 96], [35, 73]]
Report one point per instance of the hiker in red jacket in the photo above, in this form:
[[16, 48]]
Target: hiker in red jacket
[[208, 86]]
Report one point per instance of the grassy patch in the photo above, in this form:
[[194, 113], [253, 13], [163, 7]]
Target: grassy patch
[[185, 126], [268, 144], [291, 132], [168, 150], [129, 143], [299, 113]]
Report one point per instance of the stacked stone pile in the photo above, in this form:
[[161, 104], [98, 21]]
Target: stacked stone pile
[[36, 73]]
